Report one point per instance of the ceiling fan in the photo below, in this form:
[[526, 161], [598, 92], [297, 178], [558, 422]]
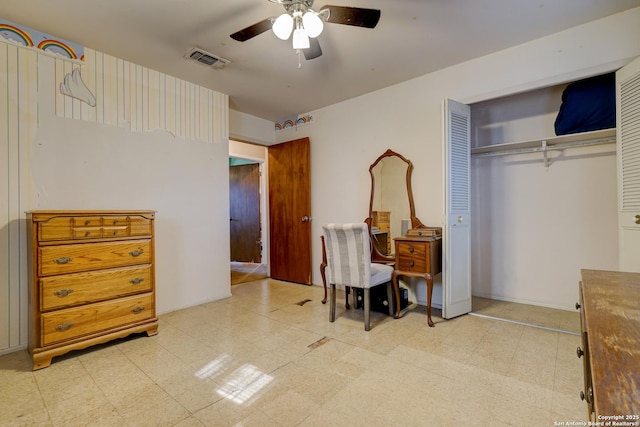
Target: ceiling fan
[[305, 23]]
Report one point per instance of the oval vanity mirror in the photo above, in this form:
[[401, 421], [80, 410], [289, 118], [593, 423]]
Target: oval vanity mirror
[[391, 208]]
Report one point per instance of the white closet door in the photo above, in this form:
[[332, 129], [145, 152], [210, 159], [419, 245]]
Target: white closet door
[[628, 131], [456, 278]]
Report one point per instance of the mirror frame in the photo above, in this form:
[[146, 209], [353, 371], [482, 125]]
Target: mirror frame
[[415, 222]]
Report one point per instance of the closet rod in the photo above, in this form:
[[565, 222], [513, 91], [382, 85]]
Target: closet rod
[[543, 147]]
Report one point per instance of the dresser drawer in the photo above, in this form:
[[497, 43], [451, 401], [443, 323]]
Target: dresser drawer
[[57, 228], [70, 290], [86, 232], [75, 322], [93, 227], [73, 258], [139, 226], [115, 231]]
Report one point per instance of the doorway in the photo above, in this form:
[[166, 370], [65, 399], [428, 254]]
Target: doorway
[[247, 262]]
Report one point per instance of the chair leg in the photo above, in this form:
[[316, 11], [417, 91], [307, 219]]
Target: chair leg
[[367, 307], [332, 303], [347, 291]]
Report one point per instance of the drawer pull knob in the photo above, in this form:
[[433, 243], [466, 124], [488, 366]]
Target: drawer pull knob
[[87, 222], [637, 219], [64, 326], [411, 249], [63, 260], [63, 292], [137, 252], [137, 310], [582, 395], [136, 280], [87, 233], [411, 263], [579, 352], [577, 306]]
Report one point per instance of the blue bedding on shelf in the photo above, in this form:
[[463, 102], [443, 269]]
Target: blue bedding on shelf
[[587, 105]]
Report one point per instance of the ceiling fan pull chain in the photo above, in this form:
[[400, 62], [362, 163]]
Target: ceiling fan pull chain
[[299, 63]]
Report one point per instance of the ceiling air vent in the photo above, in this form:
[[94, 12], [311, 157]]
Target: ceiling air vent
[[206, 58]]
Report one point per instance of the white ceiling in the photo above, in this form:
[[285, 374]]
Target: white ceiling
[[413, 37]]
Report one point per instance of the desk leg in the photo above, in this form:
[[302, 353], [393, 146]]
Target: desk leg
[[396, 290], [429, 281], [323, 266]]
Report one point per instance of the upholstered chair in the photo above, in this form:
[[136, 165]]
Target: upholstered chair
[[349, 264]]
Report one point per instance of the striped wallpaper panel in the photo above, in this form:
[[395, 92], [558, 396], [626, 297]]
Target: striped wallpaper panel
[[139, 99], [18, 118]]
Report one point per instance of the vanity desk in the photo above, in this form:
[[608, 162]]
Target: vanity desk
[[417, 256], [392, 218]]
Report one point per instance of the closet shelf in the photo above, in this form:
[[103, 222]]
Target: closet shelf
[[596, 137]]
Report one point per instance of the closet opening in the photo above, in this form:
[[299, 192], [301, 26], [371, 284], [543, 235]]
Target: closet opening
[[543, 208]]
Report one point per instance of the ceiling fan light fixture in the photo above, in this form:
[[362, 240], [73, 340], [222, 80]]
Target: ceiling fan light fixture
[[283, 26], [312, 24], [300, 39]]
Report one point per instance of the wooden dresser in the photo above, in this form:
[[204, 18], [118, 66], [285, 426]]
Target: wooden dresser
[[610, 322], [417, 256], [91, 276]]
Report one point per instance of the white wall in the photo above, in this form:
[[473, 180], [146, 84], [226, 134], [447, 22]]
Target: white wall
[[247, 128], [151, 142], [347, 137]]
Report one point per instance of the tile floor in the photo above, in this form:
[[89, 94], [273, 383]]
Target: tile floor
[[263, 358], [541, 316]]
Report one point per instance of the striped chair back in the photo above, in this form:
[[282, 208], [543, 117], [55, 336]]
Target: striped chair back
[[348, 254]]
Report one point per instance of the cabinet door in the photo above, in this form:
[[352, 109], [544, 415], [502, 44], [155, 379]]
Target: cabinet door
[[628, 135], [456, 276]]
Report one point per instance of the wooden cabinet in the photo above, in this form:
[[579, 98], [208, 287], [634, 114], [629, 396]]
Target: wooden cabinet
[[610, 350], [417, 257], [91, 276]]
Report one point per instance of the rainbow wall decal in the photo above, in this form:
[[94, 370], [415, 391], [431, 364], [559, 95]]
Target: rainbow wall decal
[[26, 36], [293, 121], [57, 47], [10, 32]]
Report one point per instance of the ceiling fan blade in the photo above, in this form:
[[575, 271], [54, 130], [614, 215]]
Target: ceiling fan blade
[[313, 51], [356, 16], [253, 30]]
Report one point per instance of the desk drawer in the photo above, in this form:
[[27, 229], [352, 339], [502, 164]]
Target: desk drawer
[[69, 290], [74, 258], [412, 257], [75, 322]]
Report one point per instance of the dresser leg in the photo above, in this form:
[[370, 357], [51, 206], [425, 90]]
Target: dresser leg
[[152, 331], [39, 363]]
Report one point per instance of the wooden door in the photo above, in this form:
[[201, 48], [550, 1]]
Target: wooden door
[[456, 276], [290, 211], [628, 153], [244, 211]]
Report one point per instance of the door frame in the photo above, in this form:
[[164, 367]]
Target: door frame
[[264, 220]]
